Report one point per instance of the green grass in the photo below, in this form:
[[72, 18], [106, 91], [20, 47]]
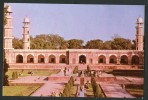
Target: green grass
[[73, 91], [89, 91], [36, 72], [136, 92], [19, 90]]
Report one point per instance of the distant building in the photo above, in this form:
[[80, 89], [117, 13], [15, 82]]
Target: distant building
[[69, 56]]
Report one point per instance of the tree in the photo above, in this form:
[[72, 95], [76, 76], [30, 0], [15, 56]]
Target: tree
[[5, 77], [17, 43], [121, 44], [48, 41], [75, 44], [107, 45], [75, 70], [94, 44]]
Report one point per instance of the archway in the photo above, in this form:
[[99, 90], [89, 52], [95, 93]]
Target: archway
[[41, 59], [113, 59], [62, 59], [52, 59], [82, 59], [124, 60], [102, 59], [135, 60], [30, 59], [19, 59]]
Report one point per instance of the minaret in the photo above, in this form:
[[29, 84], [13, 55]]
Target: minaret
[[139, 34], [26, 36], [8, 30]]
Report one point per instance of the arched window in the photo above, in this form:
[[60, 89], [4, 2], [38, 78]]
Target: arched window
[[19, 59], [82, 59], [102, 59], [124, 59], [62, 59], [52, 59], [41, 59], [113, 59], [30, 59], [135, 60]]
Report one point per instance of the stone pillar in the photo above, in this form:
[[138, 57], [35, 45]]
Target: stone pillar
[[130, 60], [35, 58], [107, 58], [118, 60], [46, 58], [57, 59], [24, 58]]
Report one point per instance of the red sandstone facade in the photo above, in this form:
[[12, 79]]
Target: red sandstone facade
[[69, 56]]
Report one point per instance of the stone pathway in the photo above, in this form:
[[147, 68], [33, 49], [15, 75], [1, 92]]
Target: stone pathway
[[115, 91], [48, 88]]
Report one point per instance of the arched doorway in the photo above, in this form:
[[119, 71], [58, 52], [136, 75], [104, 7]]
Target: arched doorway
[[135, 60], [113, 59], [62, 59], [30, 59], [19, 59], [124, 60], [52, 59], [41, 59], [102, 59], [82, 59]]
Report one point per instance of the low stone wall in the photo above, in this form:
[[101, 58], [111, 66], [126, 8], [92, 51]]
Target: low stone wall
[[25, 84], [58, 78], [38, 66], [80, 66], [98, 79], [65, 79]]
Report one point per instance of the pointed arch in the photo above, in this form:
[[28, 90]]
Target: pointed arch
[[135, 60], [52, 59], [124, 60], [102, 59], [62, 59], [113, 59], [30, 58], [82, 59], [41, 59], [19, 58]]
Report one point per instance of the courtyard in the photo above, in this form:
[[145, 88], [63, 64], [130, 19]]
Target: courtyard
[[45, 82]]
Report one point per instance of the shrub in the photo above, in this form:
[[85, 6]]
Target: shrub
[[14, 75], [75, 70], [66, 92]]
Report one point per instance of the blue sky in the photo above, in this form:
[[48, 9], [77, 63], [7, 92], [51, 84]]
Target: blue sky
[[79, 21]]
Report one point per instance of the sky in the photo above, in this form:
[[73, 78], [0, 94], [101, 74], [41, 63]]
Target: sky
[[77, 21]]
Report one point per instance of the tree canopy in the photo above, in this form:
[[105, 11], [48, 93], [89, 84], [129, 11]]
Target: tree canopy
[[94, 44], [54, 41], [75, 44], [121, 44]]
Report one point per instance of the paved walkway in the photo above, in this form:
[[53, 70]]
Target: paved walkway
[[115, 91], [48, 88]]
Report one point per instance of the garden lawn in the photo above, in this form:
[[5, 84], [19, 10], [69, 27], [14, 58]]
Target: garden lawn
[[19, 90], [38, 72]]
